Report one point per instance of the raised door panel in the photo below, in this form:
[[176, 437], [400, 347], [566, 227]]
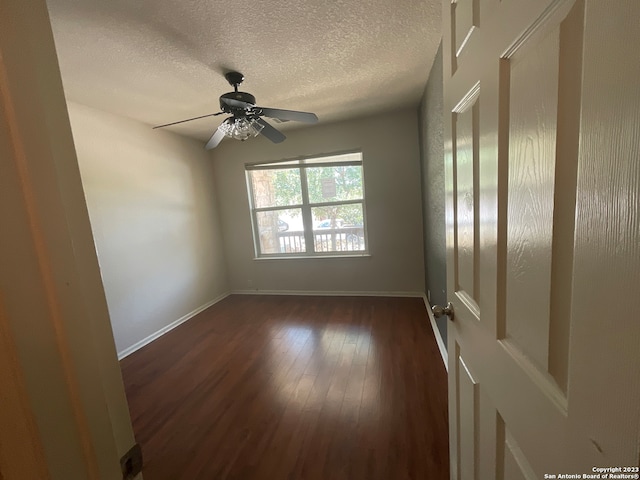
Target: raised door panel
[[467, 420], [533, 96], [466, 21], [465, 118], [540, 89], [515, 464]]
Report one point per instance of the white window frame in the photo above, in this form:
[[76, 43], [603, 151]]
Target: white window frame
[[302, 164]]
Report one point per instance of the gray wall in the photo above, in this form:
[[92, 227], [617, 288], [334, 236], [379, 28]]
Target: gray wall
[[389, 144], [154, 218], [433, 199]]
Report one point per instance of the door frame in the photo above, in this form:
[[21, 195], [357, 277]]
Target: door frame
[[65, 395]]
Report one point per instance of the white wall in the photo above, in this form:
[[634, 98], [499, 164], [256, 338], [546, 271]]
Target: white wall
[[390, 149], [155, 222]]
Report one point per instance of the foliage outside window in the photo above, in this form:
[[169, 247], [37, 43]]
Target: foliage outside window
[[313, 206]]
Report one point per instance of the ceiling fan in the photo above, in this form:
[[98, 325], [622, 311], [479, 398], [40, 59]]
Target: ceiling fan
[[246, 117]]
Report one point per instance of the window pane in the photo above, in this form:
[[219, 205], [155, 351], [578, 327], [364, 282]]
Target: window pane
[[276, 188], [330, 184], [281, 231], [338, 228]]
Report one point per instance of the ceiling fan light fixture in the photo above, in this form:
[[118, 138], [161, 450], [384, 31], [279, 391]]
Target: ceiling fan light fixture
[[241, 128]]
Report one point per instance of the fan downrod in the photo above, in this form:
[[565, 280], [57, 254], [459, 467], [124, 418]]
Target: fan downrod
[[234, 79]]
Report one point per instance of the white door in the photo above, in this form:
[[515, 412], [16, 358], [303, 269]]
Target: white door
[[542, 135]]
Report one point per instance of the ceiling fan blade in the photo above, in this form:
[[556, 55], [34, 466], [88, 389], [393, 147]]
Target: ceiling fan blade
[[268, 131], [305, 117], [232, 102], [187, 120], [215, 139]]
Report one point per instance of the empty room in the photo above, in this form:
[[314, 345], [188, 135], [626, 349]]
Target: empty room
[[319, 240]]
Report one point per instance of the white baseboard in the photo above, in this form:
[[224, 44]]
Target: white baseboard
[[436, 332], [171, 326], [340, 293]]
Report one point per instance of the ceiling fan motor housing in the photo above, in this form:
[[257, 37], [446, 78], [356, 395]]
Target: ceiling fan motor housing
[[241, 96]]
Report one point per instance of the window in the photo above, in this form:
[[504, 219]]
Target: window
[[308, 207]]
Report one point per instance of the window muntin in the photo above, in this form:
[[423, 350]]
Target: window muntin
[[311, 206]]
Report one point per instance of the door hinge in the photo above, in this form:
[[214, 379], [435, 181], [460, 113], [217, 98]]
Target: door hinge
[[131, 463]]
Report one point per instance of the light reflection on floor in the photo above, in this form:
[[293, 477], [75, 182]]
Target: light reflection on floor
[[332, 368]]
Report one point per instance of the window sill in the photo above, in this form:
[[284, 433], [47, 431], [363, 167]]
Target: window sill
[[308, 257]]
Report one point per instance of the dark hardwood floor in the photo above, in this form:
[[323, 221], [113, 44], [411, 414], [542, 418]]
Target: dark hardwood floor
[[291, 387]]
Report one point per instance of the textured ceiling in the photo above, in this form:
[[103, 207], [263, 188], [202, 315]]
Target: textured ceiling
[[159, 61]]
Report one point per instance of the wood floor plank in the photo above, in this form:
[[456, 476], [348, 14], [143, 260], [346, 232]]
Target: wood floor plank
[[293, 387]]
